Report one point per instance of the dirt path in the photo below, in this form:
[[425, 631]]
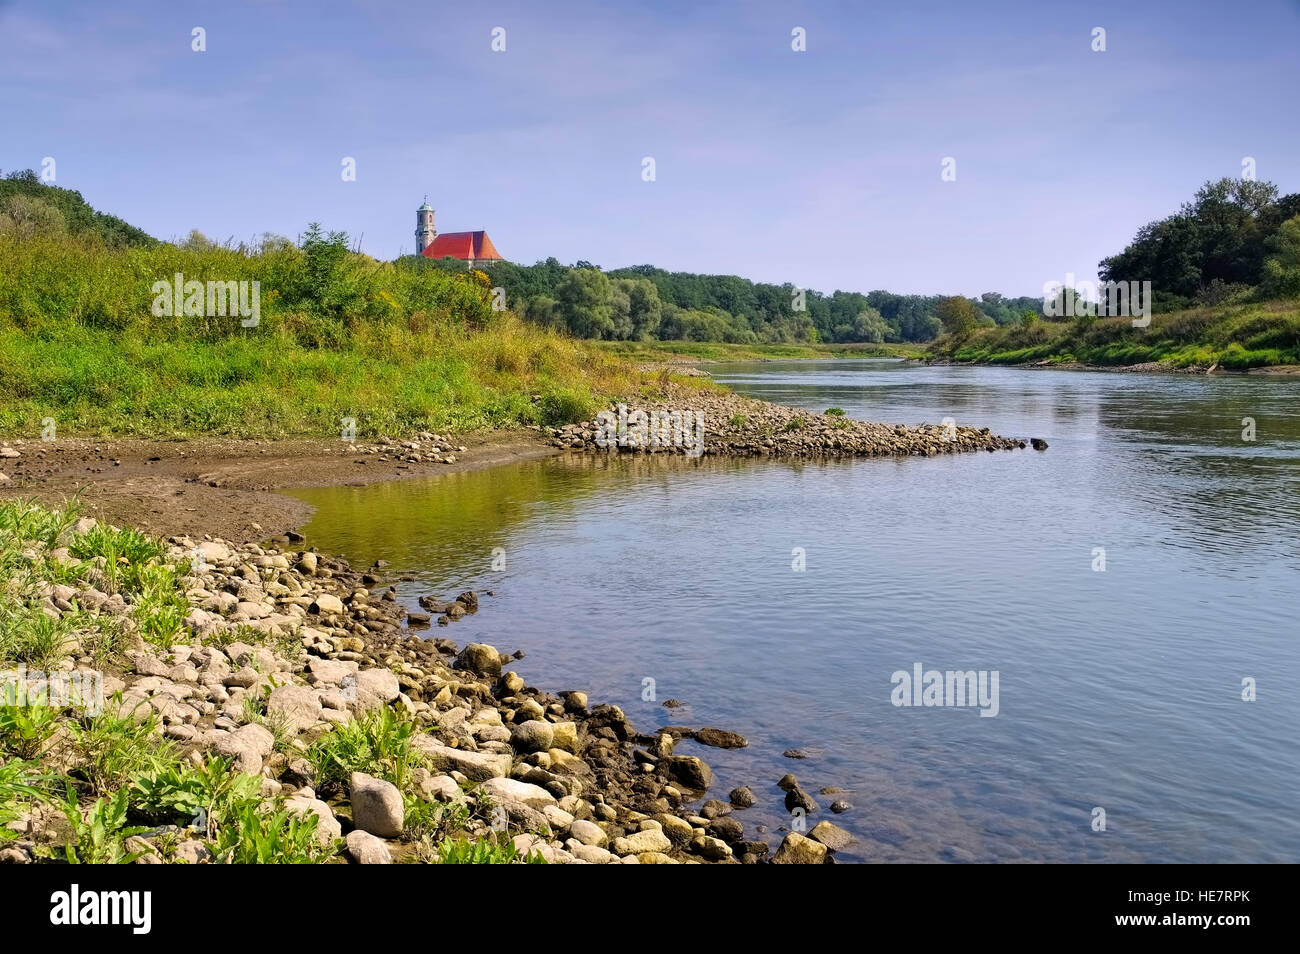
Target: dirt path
[[225, 488]]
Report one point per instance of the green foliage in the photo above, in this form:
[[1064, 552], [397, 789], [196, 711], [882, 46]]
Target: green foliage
[[835, 411], [1234, 336], [99, 838], [378, 744], [17, 788], [794, 424], [22, 190], [256, 837], [957, 316], [1281, 273], [25, 729], [1224, 234], [204, 796], [738, 420], [492, 850], [112, 748]]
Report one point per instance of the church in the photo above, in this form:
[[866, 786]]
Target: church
[[472, 249]]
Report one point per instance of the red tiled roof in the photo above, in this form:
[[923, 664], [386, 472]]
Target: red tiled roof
[[463, 245]]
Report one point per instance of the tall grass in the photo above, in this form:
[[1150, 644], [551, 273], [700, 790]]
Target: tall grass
[[400, 347]]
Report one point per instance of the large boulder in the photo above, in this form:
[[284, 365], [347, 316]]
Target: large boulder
[[534, 796], [476, 766], [480, 659], [798, 850], [298, 706], [377, 806]]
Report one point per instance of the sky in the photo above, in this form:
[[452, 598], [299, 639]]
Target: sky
[[821, 167]]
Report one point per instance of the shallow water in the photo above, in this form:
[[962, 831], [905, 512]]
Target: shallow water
[[1119, 690]]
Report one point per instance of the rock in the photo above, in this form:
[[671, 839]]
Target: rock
[[798, 850], [376, 805], [797, 798], [591, 854], [244, 678], [795, 754], [588, 832], [641, 842], [442, 788], [468, 599], [832, 836], [728, 829], [715, 808], [192, 852], [742, 797], [480, 659], [565, 737], [532, 736], [298, 706], [1037, 443], [327, 605], [533, 796], [300, 772], [574, 701], [380, 683], [476, 766], [840, 806], [714, 849], [690, 771], [720, 738], [213, 552], [327, 828], [307, 563], [241, 751], [366, 849]]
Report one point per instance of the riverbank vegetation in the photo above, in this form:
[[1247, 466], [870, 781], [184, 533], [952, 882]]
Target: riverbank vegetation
[[398, 347], [1224, 275], [1231, 337]]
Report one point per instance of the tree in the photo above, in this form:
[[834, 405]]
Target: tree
[[584, 303], [1282, 267], [26, 217], [958, 316]]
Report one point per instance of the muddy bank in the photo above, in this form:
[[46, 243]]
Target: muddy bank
[[226, 488]]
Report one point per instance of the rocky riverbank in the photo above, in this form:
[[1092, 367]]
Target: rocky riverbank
[[306, 676], [744, 427]]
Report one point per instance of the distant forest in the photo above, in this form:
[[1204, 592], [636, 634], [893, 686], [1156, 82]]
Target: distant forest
[[646, 303], [1237, 240]]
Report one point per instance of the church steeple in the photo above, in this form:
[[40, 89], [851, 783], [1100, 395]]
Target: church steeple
[[425, 233]]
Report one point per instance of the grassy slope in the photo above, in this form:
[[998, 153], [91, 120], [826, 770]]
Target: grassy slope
[[1236, 337], [400, 350]]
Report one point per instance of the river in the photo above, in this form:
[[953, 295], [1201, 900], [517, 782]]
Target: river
[[1127, 585]]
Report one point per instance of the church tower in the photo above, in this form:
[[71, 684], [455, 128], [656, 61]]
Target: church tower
[[425, 233]]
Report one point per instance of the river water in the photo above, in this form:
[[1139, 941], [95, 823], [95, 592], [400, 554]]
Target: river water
[[1119, 689]]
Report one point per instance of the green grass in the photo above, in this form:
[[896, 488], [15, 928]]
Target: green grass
[[396, 346], [1235, 337]]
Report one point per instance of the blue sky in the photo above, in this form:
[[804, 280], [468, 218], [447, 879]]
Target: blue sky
[[820, 168]]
